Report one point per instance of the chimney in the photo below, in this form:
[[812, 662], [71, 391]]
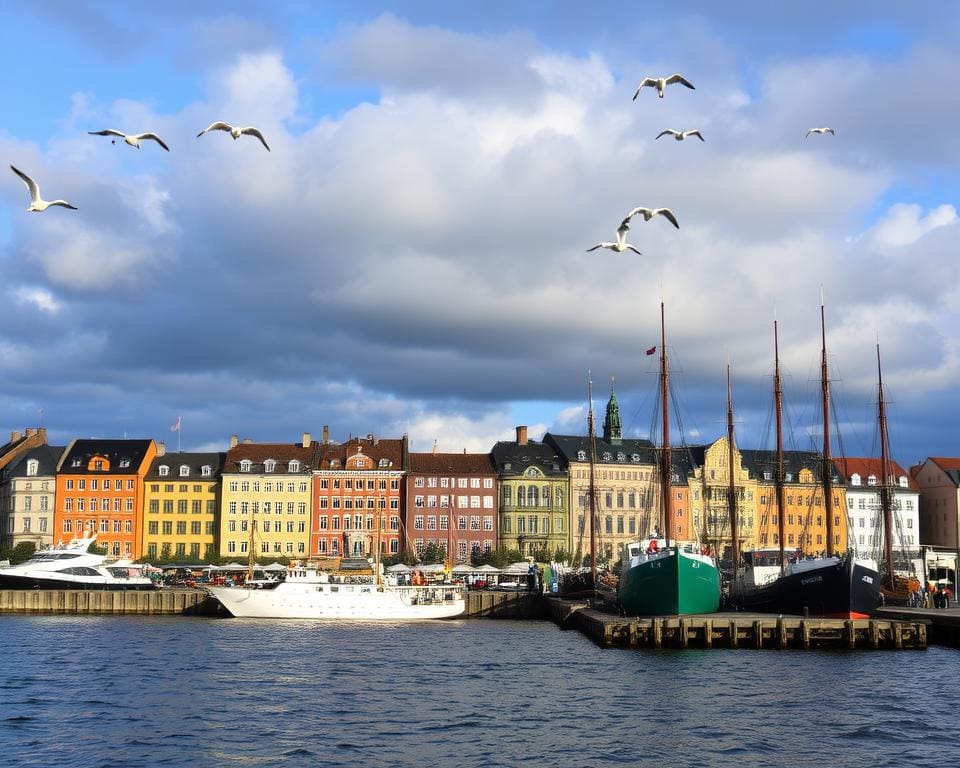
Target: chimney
[[14, 436], [521, 435], [326, 434], [161, 449], [233, 441], [247, 441], [30, 432], [436, 448], [306, 439]]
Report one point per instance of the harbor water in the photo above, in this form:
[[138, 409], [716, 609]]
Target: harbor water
[[149, 691]]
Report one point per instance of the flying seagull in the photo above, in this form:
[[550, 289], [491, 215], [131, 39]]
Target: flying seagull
[[235, 132], [680, 135], [649, 213], [621, 244], [662, 82], [37, 203], [133, 139], [821, 130]]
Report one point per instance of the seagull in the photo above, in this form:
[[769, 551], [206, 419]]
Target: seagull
[[821, 130], [133, 139], [662, 82], [649, 213], [680, 135], [621, 245], [37, 203], [235, 132]]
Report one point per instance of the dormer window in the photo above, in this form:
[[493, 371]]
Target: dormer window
[[674, 478], [871, 480], [902, 480], [334, 463], [269, 465], [32, 467], [206, 470], [581, 455], [607, 456], [245, 465], [767, 475], [635, 458], [184, 470], [124, 463], [164, 470], [621, 457], [854, 479], [788, 477], [75, 463], [384, 462], [294, 466]]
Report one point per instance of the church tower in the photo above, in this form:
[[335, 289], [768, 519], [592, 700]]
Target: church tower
[[612, 431]]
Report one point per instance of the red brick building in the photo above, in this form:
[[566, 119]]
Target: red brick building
[[356, 485], [451, 500]]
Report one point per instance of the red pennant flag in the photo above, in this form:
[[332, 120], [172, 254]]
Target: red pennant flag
[[651, 350]]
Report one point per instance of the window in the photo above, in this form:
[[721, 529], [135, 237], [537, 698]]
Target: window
[[293, 466], [206, 470], [269, 465], [245, 465], [184, 470]]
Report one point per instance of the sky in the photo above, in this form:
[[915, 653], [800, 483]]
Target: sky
[[410, 257]]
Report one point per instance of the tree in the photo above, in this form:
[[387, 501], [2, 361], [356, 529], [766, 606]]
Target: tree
[[22, 552], [433, 553], [93, 549], [212, 556], [498, 558], [165, 553]]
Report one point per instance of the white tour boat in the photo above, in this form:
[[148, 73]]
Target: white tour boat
[[72, 567], [307, 593]]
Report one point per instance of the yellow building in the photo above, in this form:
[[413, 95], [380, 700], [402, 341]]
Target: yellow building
[[805, 524], [182, 504], [266, 499], [709, 493]]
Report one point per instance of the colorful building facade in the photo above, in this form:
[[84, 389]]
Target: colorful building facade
[[99, 490]]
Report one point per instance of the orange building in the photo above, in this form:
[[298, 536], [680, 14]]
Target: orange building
[[356, 484], [100, 491]]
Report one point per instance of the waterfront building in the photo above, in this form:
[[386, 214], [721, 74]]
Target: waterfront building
[[805, 524], [265, 498], [28, 497], [357, 496], [938, 479], [99, 490], [451, 497], [534, 510], [626, 503], [863, 480], [182, 505]]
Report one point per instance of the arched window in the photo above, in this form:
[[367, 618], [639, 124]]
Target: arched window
[[581, 455], [245, 465], [269, 465], [521, 496], [206, 470], [559, 499], [532, 496], [545, 495], [164, 470], [184, 470], [32, 467], [294, 466]]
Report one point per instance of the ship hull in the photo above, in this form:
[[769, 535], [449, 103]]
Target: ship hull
[[9, 581], [670, 585], [847, 588], [353, 602]]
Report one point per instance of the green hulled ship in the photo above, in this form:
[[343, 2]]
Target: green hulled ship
[[661, 576], [660, 580]]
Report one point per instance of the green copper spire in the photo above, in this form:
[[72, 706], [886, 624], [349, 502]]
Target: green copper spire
[[612, 431]]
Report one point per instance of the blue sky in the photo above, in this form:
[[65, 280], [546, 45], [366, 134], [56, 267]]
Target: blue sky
[[411, 255]]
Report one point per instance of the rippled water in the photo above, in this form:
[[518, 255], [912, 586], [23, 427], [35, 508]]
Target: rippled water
[[173, 691]]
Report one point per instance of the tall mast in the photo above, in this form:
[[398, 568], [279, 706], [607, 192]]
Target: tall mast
[[665, 458], [827, 469], [778, 482], [591, 430], [253, 525], [376, 578], [885, 491], [732, 488]]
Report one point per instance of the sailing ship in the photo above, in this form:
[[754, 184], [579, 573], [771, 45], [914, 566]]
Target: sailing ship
[[660, 575], [311, 593], [839, 585]]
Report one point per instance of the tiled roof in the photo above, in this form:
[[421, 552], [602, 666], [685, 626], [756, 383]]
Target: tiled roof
[[865, 467], [46, 455], [125, 456], [512, 458], [282, 453], [623, 452], [194, 461], [452, 463], [757, 462], [378, 449]]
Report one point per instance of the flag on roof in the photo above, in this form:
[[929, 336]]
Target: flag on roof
[[175, 427]]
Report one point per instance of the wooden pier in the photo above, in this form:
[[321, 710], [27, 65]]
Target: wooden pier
[[943, 624], [98, 602], [738, 630]]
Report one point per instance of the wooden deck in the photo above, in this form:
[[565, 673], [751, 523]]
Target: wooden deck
[[738, 630]]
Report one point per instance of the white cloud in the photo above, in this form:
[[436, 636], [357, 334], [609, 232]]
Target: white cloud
[[904, 224], [40, 298]]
